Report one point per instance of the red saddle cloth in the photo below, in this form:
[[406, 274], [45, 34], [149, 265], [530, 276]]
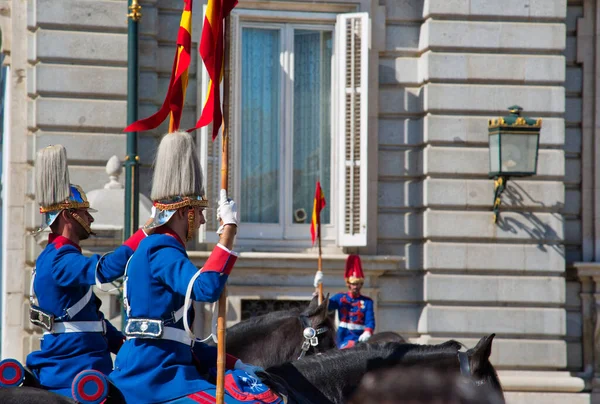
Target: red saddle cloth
[[240, 388]]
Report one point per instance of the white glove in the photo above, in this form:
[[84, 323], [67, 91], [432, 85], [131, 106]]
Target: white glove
[[227, 211], [250, 369], [318, 278], [364, 337]]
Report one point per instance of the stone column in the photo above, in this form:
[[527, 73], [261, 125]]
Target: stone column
[[589, 276]]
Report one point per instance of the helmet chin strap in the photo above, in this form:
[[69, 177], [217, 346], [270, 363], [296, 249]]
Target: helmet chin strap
[[191, 221], [82, 222]]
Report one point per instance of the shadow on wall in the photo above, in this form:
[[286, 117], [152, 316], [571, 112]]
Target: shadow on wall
[[515, 196]]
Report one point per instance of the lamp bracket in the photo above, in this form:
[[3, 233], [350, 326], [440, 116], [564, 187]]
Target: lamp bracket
[[499, 187]]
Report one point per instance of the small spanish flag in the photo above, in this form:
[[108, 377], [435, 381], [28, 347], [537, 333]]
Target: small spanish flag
[[318, 205], [175, 98]]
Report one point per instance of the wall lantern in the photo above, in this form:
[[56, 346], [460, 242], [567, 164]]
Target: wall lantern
[[514, 141]]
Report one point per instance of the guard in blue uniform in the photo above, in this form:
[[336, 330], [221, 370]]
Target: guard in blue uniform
[[355, 311], [162, 360], [76, 334]]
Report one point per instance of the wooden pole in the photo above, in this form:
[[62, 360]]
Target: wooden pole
[[221, 324], [320, 262]]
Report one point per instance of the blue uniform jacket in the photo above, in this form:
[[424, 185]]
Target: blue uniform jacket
[[63, 277], [355, 315], [158, 370]]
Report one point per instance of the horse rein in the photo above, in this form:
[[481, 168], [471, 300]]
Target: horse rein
[[310, 335]]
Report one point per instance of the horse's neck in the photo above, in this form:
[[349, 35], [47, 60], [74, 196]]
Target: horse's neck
[[328, 375]]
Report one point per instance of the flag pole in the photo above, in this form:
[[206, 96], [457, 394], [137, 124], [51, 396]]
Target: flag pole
[[132, 160], [221, 319], [320, 262]]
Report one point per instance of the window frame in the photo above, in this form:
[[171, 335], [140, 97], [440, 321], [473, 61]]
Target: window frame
[[285, 232], [249, 238]]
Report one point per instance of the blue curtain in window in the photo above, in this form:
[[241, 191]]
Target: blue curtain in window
[[312, 119], [259, 199]]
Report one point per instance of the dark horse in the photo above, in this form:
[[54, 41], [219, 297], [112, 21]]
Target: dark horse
[[386, 336], [278, 337], [332, 377], [31, 395]]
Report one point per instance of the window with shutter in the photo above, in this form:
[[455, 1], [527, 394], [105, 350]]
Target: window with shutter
[[353, 53], [284, 130]]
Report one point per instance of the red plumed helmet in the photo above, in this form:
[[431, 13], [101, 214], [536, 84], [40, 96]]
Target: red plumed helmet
[[354, 272]]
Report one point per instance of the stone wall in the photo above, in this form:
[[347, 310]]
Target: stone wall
[[447, 68]]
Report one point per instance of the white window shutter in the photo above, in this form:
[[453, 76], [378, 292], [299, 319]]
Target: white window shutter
[[352, 48], [210, 156]]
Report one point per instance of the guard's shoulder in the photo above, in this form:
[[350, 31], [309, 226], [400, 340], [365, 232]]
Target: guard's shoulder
[[367, 298], [157, 242], [64, 244]]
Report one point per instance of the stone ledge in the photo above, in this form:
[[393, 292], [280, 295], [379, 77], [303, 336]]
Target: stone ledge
[[511, 258], [526, 226], [522, 321], [470, 129], [477, 193], [400, 70], [587, 269], [100, 48], [73, 13], [475, 161], [78, 114], [547, 398], [401, 37], [97, 147], [473, 289], [437, 34], [555, 9], [438, 66], [93, 81], [540, 381], [400, 226], [493, 99], [400, 163]]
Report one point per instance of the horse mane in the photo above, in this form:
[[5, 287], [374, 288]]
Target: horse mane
[[265, 320], [279, 333]]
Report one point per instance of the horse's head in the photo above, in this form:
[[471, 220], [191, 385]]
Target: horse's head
[[478, 366], [473, 364], [318, 327]]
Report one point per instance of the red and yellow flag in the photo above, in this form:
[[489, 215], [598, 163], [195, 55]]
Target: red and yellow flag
[[318, 205], [175, 98], [212, 51]]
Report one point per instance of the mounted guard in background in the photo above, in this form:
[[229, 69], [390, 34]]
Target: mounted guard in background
[[355, 311], [76, 335]]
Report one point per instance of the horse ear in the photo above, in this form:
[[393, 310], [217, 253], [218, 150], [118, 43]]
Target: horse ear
[[480, 355], [323, 310], [483, 349], [312, 306]]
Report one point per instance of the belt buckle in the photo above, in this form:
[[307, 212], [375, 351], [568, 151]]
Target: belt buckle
[[144, 327], [41, 318], [103, 327]]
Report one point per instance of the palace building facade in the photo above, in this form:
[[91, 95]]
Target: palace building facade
[[387, 102]]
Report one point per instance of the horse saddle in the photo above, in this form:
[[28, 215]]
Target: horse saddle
[[240, 387]]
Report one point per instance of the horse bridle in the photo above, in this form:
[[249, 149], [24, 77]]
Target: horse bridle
[[465, 367], [310, 335]]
